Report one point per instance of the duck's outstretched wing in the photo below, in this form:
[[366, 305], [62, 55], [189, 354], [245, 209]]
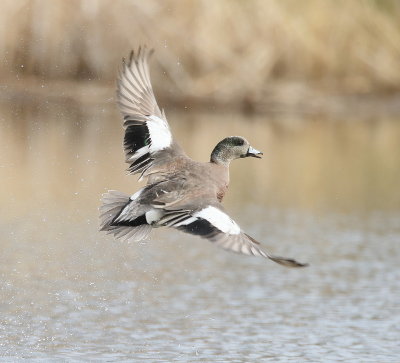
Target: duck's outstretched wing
[[212, 223], [148, 140]]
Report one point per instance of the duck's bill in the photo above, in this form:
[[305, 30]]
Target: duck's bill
[[254, 153]]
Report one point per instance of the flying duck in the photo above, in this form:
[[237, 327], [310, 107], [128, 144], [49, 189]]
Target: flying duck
[[180, 193]]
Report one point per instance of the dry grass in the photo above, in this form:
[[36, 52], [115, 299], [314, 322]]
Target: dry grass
[[224, 51]]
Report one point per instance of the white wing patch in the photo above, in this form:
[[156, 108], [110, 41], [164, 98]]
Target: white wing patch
[[185, 222], [160, 136], [160, 133], [219, 219]]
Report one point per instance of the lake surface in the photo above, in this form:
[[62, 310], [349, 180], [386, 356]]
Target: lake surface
[[326, 192]]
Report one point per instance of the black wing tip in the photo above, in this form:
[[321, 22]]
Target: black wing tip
[[284, 261], [288, 262]]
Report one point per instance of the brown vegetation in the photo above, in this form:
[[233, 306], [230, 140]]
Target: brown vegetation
[[225, 51]]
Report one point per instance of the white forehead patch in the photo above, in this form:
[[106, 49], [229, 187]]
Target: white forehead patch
[[219, 219]]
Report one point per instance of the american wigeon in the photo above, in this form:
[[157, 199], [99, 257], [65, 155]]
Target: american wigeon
[[180, 193]]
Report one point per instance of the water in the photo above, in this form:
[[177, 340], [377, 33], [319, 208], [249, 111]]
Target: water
[[326, 193]]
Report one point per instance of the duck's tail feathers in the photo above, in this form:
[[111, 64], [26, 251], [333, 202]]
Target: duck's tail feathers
[[113, 202]]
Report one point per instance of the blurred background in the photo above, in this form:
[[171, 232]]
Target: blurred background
[[315, 85]]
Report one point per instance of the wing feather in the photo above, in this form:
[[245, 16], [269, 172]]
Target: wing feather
[[148, 140], [212, 223]]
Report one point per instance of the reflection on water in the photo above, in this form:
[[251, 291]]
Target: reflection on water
[[326, 192], [73, 153]]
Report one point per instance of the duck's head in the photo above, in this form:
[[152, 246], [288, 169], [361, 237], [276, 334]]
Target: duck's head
[[233, 147]]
